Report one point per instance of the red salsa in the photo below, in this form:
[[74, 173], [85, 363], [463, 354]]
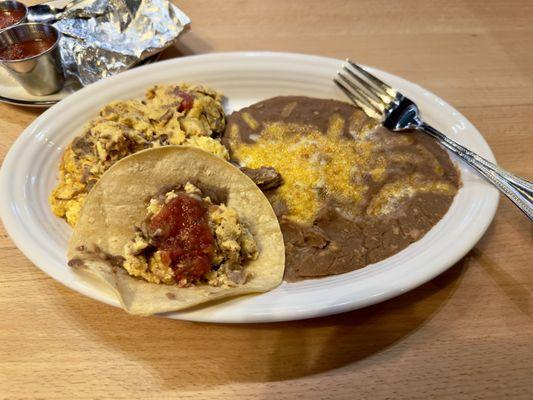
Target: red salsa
[[10, 17], [25, 49], [185, 238]]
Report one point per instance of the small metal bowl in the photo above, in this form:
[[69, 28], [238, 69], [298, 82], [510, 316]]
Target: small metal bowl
[[42, 73], [10, 6]]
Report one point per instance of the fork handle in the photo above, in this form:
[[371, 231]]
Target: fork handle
[[518, 190]]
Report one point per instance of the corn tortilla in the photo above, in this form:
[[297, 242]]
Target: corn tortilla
[[116, 204]]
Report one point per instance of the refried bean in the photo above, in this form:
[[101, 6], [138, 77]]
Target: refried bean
[[353, 193]]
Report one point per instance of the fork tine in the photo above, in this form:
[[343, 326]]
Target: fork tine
[[369, 110], [364, 90], [378, 82]]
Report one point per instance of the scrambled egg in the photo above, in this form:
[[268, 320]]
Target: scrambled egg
[[168, 115], [234, 246]]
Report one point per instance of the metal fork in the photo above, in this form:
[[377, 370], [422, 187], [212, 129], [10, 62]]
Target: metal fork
[[397, 113]]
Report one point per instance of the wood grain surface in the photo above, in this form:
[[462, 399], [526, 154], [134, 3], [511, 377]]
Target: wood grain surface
[[468, 334]]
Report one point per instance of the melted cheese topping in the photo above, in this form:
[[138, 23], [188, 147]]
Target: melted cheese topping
[[316, 166], [312, 164]]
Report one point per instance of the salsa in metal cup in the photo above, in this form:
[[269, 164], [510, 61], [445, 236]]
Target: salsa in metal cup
[[26, 49], [12, 13]]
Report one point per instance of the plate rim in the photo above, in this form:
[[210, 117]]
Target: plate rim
[[28, 103], [5, 213]]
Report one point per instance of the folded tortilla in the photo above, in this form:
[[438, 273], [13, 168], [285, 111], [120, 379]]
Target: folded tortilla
[[117, 203]]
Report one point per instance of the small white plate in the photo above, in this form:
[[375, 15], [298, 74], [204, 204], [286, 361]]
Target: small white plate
[[11, 92], [30, 168]]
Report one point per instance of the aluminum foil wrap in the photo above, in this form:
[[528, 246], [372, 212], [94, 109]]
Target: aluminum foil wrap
[[105, 37]]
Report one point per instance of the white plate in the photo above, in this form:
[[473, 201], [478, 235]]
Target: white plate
[[29, 174]]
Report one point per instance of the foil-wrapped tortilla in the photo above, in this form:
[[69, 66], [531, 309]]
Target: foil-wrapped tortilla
[[105, 37]]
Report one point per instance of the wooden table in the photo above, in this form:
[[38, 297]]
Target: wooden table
[[467, 334]]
